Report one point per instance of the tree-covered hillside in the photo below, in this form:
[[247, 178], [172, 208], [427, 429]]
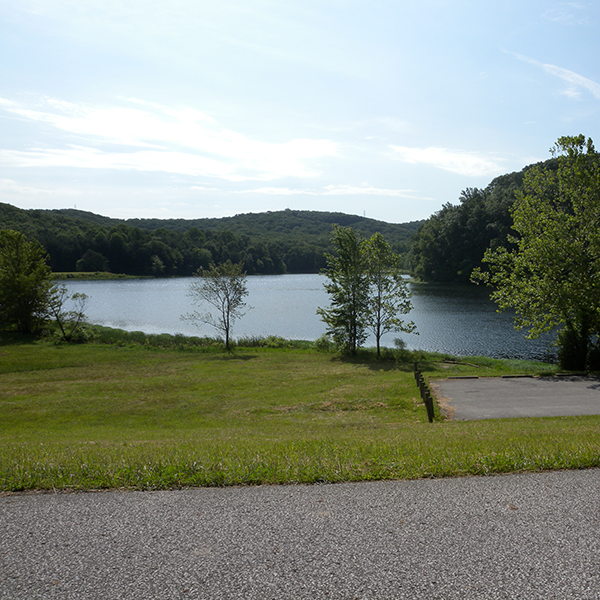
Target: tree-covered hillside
[[273, 242], [281, 225], [452, 242]]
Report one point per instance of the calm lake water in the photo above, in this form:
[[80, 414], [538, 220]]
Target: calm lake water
[[456, 319]]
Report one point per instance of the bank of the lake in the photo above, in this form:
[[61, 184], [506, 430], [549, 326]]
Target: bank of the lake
[[92, 276], [460, 320]]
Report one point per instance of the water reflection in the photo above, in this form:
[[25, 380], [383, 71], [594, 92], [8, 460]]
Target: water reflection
[[462, 320]]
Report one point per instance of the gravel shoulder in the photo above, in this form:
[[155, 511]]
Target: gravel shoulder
[[511, 536]]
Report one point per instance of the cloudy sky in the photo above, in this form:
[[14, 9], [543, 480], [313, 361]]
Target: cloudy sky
[[210, 108]]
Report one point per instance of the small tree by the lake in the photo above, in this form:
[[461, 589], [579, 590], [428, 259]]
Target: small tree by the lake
[[70, 322], [389, 295], [348, 288], [366, 288], [223, 287]]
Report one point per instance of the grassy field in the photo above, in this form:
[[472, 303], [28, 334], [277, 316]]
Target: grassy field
[[141, 416]]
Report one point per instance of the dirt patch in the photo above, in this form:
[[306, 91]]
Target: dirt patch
[[444, 403]]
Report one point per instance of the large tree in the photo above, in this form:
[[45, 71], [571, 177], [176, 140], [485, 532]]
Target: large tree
[[551, 276], [25, 282], [224, 288], [388, 291], [348, 287]]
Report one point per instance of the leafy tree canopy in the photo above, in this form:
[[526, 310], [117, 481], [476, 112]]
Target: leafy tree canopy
[[452, 242], [25, 282], [551, 272]]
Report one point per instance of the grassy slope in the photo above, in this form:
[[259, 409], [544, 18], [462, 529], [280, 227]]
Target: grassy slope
[[96, 416]]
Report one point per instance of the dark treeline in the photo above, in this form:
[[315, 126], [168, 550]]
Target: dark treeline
[[444, 248], [265, 243], [451, 243]]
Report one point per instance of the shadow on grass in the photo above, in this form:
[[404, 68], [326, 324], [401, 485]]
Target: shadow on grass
[[233, 356], [402, 360], [374, 364], [11, 338]]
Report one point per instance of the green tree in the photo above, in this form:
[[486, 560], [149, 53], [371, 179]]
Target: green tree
[[452, 242], [25, 282], [224, 287], [348, 287], [551, 276], [158, 266], [388, 291], [92, 261]]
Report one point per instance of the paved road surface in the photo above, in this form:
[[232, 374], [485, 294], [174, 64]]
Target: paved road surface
[[499, 397], [516, 536]]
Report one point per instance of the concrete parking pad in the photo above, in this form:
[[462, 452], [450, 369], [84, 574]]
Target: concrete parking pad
[[501, 398]]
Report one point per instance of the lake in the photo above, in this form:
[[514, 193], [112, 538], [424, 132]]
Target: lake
[[460, 320]]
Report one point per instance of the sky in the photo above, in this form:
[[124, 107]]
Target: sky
[[196, 108]]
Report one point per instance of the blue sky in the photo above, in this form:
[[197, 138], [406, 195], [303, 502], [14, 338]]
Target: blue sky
[[194, 108]]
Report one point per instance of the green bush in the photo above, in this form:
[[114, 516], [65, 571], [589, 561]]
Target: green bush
[[324, 344]]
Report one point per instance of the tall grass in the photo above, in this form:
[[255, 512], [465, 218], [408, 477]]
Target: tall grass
[[442, 450]]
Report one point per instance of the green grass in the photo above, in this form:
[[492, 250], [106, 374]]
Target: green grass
[[133, 414]]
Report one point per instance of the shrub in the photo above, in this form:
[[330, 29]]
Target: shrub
[[324, 344]]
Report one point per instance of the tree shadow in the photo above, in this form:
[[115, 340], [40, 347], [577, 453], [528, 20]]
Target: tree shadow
[[375, 364], [234, 356], [14, 338], [402, 360]]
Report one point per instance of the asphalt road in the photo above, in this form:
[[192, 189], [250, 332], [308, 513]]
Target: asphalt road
[[500, 398], [514, 536]]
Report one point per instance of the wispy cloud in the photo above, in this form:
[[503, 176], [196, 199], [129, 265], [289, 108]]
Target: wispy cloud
[[456, 161], [151, 137], [203, 188], [574, 80], [567, 14], [333, 190], [14, 187], [92, 158]]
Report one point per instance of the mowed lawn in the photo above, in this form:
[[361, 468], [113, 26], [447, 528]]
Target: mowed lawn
[[104, 393], [103, 416]]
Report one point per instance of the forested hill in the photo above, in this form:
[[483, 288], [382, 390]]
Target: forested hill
[[273, 242], [270, 225], [452, 242]]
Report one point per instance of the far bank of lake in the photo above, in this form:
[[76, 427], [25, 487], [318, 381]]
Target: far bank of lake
[[460, 320]]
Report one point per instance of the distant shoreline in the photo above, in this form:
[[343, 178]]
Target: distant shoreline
[[92, 275]]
